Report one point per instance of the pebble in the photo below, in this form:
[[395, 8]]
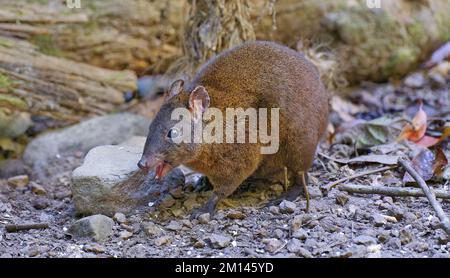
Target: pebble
[[405, 237], [163, 240], [18, 182], [128, 228], [272, 244], [151, 229], [94, 248], [174, 226], [125, 235], [315, 192], [219, 241], [204, 218], [120, 218], [420, 246], [294, 245], [274, 210], [383, 236], [379, 220], [187, 223], [297, 222], [394, 243], [341, 198], [287, 207], [235, 214], [37, 188], [300, 234], [40, 203], [279, 233], [415, 80], [365, 240], [199, 244]]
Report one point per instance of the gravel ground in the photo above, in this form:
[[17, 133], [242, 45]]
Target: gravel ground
[[338, 224]]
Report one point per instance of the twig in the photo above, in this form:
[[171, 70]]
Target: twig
[[390, 191], [428, 193], [12, 228], [342, 161], [329, 186]]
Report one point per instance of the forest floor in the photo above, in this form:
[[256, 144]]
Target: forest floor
[[338, 224]]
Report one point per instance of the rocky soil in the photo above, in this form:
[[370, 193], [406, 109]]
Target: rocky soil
[[338, 224]]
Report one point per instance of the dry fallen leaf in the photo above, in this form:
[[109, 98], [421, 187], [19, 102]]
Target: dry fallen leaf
[[376, 158], [440, 162], [416, 130]]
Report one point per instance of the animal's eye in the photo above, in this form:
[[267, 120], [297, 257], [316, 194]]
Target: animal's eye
[[173, 133]]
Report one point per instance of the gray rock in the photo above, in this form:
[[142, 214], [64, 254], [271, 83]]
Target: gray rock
[[97, 227], [297, 222], [110, 181], [287, 207], [125, 235], [174, 226], [151, 229], [104, 130], [415, 80], [379, 220], [219, 241], [12, 168], [294, 245], [12, 125], [341, 198], [120, 217], [405, 237], [163, 240], [300, 234], [272, 244], [204, 218], [315, 192], [365, 240]]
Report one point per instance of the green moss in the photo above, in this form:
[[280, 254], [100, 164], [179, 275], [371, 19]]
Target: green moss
[[47, 45], [5, 43], [5, 82], [8, 100]]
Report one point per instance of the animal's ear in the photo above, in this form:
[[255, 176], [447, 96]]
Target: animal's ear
[[175, 89], [198, 102]]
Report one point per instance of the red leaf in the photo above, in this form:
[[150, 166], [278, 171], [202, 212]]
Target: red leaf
[[416, 130], [428, 141]]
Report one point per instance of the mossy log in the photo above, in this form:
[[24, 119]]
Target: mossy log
[[32, 83]]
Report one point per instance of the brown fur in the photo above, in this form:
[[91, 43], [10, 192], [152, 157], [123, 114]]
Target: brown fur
[[255, 74]]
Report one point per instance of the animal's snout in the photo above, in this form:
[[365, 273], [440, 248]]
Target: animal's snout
[[143, 164]]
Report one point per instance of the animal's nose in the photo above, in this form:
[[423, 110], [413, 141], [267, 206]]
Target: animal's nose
[[143, 164]]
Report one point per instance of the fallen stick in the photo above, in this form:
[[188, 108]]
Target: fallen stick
[[330, 186], [428, 193], [391, 191], [12, 228]]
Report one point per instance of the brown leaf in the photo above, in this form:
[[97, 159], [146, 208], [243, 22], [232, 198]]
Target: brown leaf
[[440, 162], [416, 130]]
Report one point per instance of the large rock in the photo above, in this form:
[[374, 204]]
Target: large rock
[[109, 181], [104, 130]]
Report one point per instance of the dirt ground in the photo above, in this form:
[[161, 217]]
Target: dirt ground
[[338, 224]]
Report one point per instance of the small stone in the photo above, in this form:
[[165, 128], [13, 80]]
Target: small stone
[[365, 240], [204, 218], [420, 246], [97, 227], [62, 194], [235, 214], [415, 80], [274, 210], [379, 220], [120, 218], [168, 202], [151, 229], [187, 223], [19, 182], [272, 244], [199, 244], [315, 192], [287, 207], [437, 80], [297, 222], [279, 233], [341, 198], [219, 241], [40, 203], [405, 237], [164, 240], [174, 226], [127, 227], [176, 192], [294, 245], [37, 188], [300, 234], [125, 235], [383, 236], [302, 252], [94, 248]]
